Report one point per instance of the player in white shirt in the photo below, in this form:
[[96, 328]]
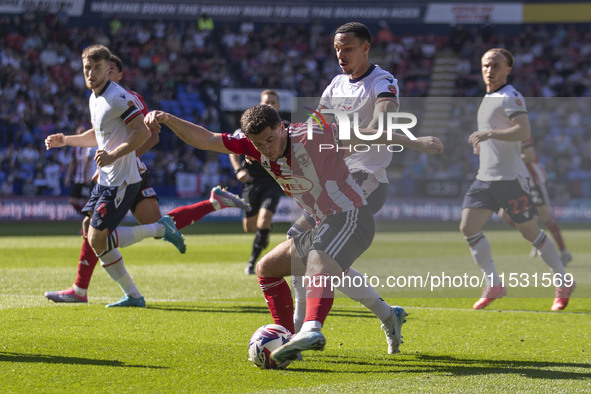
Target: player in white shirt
[[118, 130], [370, 92], [502, 180]]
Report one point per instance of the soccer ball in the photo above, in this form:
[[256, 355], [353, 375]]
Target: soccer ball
[[264, 340]]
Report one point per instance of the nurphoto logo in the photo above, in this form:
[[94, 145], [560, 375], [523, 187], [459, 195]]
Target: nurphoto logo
[[345, 125]]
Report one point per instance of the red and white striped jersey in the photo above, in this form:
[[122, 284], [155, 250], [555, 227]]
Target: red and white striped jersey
[[319, 181], [85, 164]]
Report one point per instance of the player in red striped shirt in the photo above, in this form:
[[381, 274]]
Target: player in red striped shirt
[[320, 183]]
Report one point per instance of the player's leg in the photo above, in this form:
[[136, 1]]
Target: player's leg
[[550, 256], [106, 217], [300, 225], [471, 223], [219, 199], [271, 270], [552, 226], [327, 250], [478, 206], [261, 238], [519, 206], [86, 263], [268, 199]]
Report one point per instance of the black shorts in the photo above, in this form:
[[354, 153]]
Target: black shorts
[[261, 195], [374, 191], [146, 191], [513, 196], [344, 236], [109, 205], [81, 190]]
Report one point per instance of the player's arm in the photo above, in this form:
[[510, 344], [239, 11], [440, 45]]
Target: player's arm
[[149, 144], [138, 135], [85, 140], [518, 131], [192, 134], [428, 144], [383, 105], [241, 173]]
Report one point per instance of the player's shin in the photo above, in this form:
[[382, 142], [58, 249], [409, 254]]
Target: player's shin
[[549, 253], [355, 287], [319, 300], [278, 296], [112, 262], [86, 264], [299, 290]]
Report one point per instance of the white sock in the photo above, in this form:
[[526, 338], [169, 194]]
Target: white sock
[[362, 292], [311, 325], [112, 262], [79, 291], [549, 253], [482, 255], [299, 307], [128, 235]]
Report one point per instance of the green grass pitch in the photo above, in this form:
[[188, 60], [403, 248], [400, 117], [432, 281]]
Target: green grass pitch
[[201, 310]]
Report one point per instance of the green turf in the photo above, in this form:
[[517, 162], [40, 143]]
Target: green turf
[[193, 335]]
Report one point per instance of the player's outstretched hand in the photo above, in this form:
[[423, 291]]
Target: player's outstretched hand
[[430, 145], [154, 118], [55, 141]]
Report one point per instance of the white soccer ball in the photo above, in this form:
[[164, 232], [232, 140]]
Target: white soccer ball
[[264, 340]]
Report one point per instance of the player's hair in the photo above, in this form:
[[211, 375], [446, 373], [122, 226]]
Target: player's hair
[[256, 119], [97, 53], [269, 92], [117, 60], [505, 53], [359, 29]]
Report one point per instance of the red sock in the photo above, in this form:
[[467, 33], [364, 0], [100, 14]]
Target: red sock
[[555, 230], [189, 214], [279, 301], [86, 264], [319, 298]]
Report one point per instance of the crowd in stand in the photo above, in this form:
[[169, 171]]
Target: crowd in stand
[[180, 67]]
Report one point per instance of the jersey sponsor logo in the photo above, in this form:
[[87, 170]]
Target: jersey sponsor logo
[[294, 184], [519, 103], [392, 89], [83, 262]]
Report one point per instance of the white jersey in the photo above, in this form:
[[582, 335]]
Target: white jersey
[[110, 111], [500, 160], [360, 96]]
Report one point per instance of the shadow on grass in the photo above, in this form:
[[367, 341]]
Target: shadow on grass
[[250, 309], [452, 366], [49, 359]]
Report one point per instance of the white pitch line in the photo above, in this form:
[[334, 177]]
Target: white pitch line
[[201, 300]]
